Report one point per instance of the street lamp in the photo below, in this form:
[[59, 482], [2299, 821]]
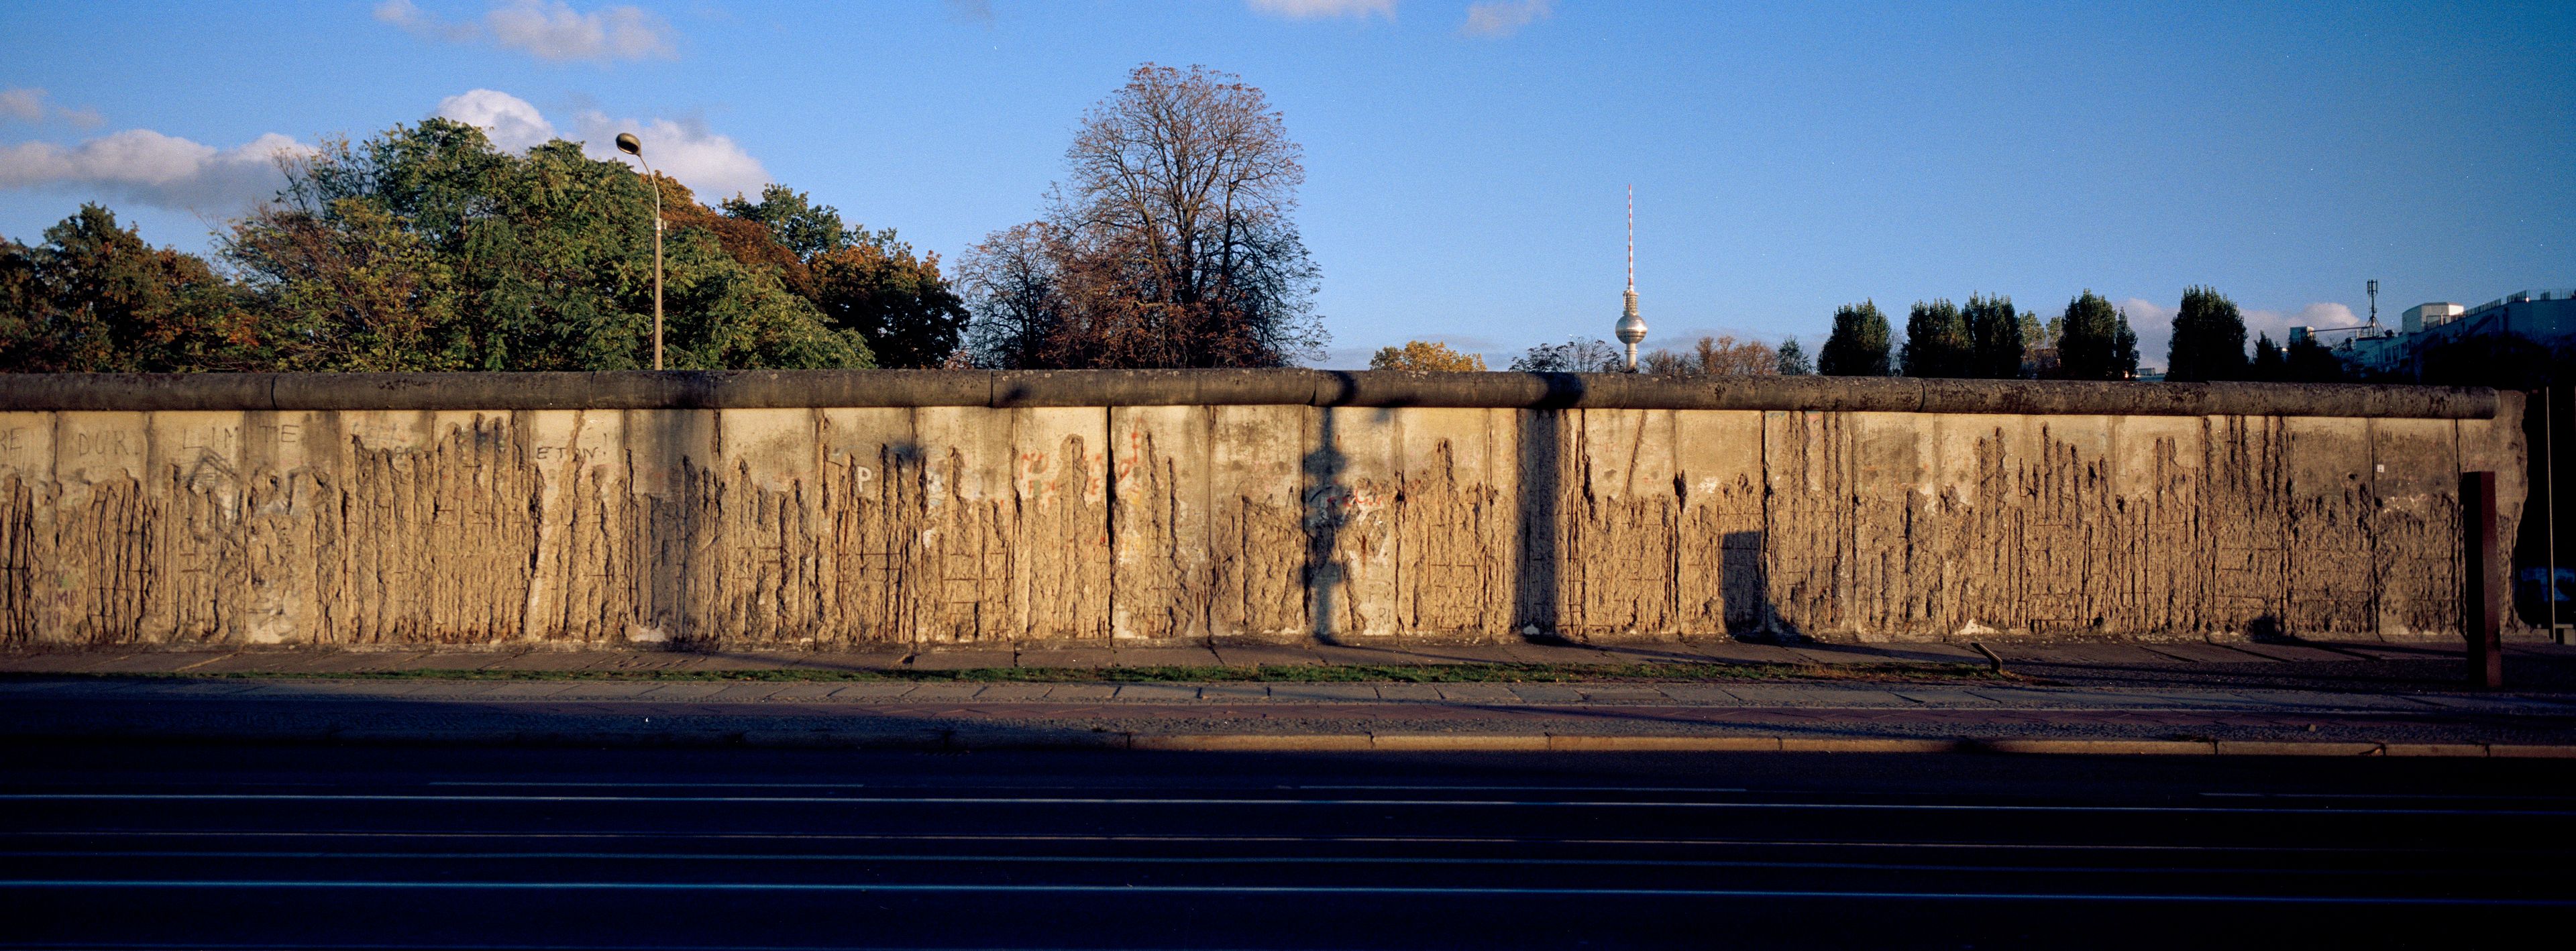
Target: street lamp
[[629, 144]]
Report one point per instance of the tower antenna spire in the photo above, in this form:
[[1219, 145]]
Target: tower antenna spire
[[1631, 328]]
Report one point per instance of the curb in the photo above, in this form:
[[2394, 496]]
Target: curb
[[953, 741]]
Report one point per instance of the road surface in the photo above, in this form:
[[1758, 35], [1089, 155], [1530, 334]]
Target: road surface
[[301, 846]]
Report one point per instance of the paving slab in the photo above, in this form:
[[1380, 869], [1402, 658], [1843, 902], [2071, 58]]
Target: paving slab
[[1082, 658], [53, 661], [1704, 694], [687, 691], [1927, 653], [1235, 692], [1623, 694], [1770, 695], [1741, 652], [445, 660], [556, 660], [1266, 655], [1666, 653], [2126, 654], [1361, 655], [1167, 657], [805, 691], [1157, 692], [1551, 652], [1325, 693], [2209, 654], [853, 660], [1409, 692], [1429, 654], [742, 692], [1080, 693], [963, 659], [1477, 693], [1547, 693], [156, 662], [882, 690], [525, 690], [945, 692], [1018, 692], [646, 660], [2292, 652], [745, 660]]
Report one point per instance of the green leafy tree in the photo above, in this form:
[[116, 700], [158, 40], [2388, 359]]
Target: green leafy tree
[[2307, 361], [2267, 360], [1422, 356], [1573, 356], [426, 248], [862, 281], [93, 297], [1858, 345], [1994, 337], [1937, 342], [2208, 339], [1793, 359], [2094, 341]]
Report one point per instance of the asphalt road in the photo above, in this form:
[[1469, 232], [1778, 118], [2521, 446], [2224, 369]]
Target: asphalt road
[[288, 846]]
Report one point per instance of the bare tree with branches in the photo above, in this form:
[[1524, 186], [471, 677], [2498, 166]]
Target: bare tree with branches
[[1170, 244]]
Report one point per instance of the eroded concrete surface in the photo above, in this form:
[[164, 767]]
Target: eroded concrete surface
[[841, 527]]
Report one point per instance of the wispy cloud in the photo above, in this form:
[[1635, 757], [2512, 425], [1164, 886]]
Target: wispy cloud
[[971, 11], [1501, 18], [1319, 9], [2278, 323], [712, 165], [150, 168], [2153, 323], [553, 32], [27, 104]]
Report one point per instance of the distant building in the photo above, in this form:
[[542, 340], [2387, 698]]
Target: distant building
[[2546, 317]]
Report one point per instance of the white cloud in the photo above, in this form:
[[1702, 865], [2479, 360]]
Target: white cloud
[[510, 122], [1317, 9], [553, 32], [2278, 324], [712, 165], [24, 105], [148, 167], [2153, 324], [1501, 18], [27, 104]]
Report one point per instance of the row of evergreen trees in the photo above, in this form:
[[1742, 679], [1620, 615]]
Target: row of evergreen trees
[[2091, 340], [1989, 338]]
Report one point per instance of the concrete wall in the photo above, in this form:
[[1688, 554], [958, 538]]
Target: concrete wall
[[881, 507]]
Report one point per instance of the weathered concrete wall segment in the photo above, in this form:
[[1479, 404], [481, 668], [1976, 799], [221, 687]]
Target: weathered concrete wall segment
[[1150, 521]]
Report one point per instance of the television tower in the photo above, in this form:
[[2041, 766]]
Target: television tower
[[1632, 328]]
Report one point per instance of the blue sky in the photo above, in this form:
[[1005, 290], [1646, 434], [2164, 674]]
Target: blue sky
[[1465, 160]]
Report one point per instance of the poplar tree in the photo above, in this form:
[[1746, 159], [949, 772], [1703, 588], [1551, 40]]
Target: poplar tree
[[2208, 339], [1858, 345], [1937, 343], [2094, 341], [1995, 337]]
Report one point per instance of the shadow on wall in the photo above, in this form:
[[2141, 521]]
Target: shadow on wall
[[1328, 509], [1746, 586]]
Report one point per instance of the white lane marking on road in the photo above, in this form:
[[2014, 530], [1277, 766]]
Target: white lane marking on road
[[1222, 860], [60, 884], [1232, 839], [1123, 801]]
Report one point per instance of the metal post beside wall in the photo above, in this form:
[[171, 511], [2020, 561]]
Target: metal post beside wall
[[2481, 607], [2549, 506]]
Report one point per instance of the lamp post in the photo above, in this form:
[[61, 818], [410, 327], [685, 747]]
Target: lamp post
[[629, 144]]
